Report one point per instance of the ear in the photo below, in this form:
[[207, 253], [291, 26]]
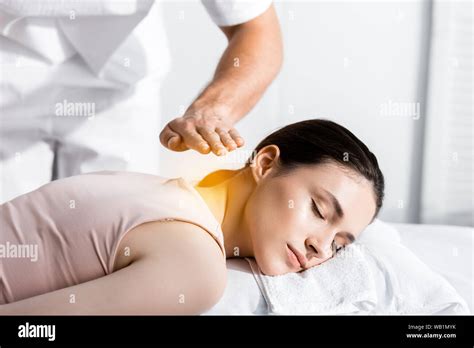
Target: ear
[[265, 162]]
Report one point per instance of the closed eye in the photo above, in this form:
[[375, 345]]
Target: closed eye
[[336, 248], [316, 210]]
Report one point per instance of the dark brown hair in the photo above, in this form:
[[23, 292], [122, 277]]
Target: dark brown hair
[[319, 141]]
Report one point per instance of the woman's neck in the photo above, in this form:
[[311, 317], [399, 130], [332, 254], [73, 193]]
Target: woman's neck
[[226, 193]]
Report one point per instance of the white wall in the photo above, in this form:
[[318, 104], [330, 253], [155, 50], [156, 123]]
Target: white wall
[[343, 61]]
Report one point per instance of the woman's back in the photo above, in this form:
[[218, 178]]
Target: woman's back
[[75, 225]]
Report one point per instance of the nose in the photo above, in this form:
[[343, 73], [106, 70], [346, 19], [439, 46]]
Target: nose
[[319, 248]]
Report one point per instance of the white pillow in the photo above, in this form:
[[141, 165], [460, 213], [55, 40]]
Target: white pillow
[[454, 243], [405, 284], [242, 294], [401, 280]]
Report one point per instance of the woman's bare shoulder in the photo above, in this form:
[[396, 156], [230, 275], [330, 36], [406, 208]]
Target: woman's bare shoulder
[[178, 251], [157, 238]]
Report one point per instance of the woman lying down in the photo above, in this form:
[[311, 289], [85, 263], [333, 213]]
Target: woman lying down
[[130, 243]]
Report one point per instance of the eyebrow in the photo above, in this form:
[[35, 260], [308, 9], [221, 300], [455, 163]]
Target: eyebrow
[[340, 214]]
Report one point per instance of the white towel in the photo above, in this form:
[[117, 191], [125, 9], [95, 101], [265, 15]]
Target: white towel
[[376, 275], [341, 285]]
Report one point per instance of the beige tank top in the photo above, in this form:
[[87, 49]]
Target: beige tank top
[[67, 232]]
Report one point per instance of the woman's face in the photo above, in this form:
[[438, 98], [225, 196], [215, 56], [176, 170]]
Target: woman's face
[[293, 218]]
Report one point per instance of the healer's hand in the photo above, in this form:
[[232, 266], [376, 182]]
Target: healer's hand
[[205, 129]]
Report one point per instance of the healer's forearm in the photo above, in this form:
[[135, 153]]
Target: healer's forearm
[[247, 67]]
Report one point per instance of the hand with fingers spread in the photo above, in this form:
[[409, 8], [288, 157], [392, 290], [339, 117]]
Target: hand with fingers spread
[[252, 59], [204, 130]]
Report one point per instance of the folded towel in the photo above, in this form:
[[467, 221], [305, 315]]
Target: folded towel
[[376, 275], [341, 285]]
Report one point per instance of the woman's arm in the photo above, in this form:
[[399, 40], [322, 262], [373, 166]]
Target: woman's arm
[[179, 269]]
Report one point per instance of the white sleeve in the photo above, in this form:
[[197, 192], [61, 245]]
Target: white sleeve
[[233, 12], [80, 8]]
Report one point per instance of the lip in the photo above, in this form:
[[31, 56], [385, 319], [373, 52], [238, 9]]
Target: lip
[[301, 259]]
